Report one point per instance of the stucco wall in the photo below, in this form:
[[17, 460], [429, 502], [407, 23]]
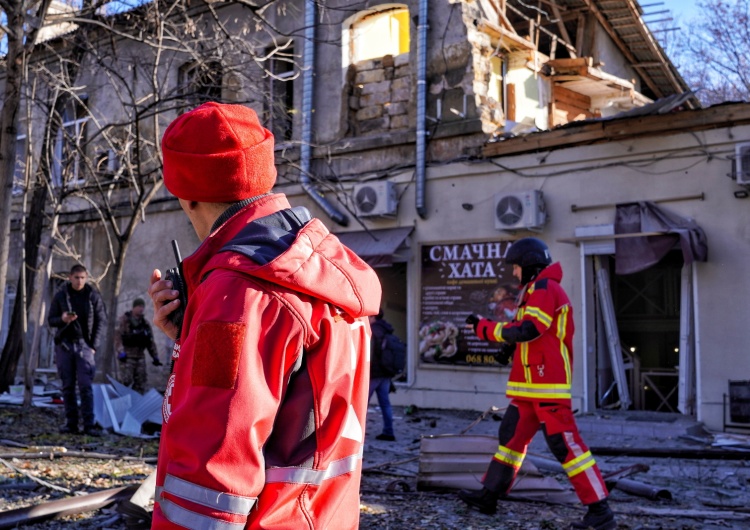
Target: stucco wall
[[644, 169], [649, 168]]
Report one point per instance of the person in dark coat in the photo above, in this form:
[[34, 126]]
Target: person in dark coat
[[380, 380], [132, 336], [78, 312]]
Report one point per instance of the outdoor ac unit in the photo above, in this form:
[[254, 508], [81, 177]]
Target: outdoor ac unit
[[375, 199], [742, 163], [520, 210]]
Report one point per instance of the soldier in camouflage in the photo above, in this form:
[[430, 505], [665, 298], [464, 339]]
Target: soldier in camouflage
[[132, 337]]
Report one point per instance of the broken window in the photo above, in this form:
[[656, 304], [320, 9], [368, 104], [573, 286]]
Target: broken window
[[19, 170], [67, 163], [279, 104], [378, 76], [376, 34]]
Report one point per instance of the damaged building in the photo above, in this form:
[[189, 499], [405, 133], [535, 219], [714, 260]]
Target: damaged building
[[431, 134]]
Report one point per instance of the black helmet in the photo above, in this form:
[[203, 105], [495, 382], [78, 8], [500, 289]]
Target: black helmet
[[528, 252]]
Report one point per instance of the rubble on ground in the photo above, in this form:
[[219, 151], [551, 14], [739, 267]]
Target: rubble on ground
[[708, 493]]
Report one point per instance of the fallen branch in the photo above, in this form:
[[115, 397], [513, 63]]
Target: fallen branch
[[11, 443], [32, 477], [51, 455], [482, 416], [671, 452], [391, 463], [690, 514]]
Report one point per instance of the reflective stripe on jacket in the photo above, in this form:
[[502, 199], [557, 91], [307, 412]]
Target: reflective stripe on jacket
[[264, 414], [543, 332]]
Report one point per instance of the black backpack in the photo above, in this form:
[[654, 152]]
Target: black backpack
[[393, 355]]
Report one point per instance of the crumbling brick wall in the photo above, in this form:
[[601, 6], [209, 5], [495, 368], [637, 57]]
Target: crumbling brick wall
[[380, 91]]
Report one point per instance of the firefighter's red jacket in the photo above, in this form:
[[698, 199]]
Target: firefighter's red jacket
[[264, 414], [543, 333]]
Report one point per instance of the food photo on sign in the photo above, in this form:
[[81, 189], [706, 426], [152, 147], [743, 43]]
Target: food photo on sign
[[459, 279]]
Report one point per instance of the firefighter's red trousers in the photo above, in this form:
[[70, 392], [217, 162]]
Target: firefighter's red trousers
[[520, 423]]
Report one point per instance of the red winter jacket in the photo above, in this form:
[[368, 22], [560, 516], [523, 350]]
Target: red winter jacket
[[264, 414], [543, 331]]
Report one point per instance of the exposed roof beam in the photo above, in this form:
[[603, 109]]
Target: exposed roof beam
[[511, 40], [565, 43], [653, 45], [562, 28], [624, 48], [588, 133]]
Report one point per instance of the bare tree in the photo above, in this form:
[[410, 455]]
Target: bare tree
[[109, 90], [713, 52], [23, 21]]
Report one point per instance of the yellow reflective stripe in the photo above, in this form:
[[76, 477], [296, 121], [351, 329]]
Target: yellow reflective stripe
[[509, 456], [525, 361], [540, 315], [561, 391], [498, 332], [579, 465], [562, 326]]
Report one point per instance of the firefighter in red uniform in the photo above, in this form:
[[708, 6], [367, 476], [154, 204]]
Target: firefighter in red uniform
[[265, 410], [541, 335]]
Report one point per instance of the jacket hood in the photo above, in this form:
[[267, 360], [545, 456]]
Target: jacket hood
[[552, 272], [289, 248]]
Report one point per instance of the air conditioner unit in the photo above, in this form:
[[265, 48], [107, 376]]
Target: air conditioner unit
[[520, 210], [742, 163], [375, 199]]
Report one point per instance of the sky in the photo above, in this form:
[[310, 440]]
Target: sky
[[685, 9]]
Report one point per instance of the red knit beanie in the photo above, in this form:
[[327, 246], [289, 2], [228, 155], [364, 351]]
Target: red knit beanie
[[218, 153]]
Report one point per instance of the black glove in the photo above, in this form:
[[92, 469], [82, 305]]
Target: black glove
[[157, 362], [473, 321], [506, 353]]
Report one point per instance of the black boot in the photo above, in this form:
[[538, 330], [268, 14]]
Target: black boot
[[599, 517], [485, 500]]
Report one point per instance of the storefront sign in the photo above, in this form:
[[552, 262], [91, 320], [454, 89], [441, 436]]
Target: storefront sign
[[459, 279]]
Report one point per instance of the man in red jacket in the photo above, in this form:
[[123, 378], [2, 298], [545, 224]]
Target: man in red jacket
[[541, 334], [265, 410]]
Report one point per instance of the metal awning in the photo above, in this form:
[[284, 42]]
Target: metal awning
[[378, 247]]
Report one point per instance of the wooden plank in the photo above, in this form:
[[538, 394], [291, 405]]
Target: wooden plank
[[566, 113], [500, 11], [619, 129], [512, 41], [570, 97], [571, 63], [561, 26], [511, 103]]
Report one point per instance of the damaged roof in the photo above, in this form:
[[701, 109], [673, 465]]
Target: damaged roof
[[622, 20]]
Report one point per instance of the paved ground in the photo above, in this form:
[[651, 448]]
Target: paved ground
[[706, 493]]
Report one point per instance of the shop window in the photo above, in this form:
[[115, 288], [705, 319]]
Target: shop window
[[279, 101], [374, 34]]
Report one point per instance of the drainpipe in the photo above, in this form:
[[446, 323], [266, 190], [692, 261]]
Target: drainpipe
[[308, 60], [419, 189]]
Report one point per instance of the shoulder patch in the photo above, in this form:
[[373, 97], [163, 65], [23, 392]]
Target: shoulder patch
[[218, 347], [541, 284]]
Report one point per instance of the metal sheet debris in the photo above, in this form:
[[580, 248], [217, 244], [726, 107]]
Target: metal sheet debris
[[460, 461]]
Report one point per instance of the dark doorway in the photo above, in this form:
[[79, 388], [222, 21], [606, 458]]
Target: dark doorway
[[647, 309]]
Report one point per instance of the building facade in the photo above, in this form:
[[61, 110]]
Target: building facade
[[430, 135]]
